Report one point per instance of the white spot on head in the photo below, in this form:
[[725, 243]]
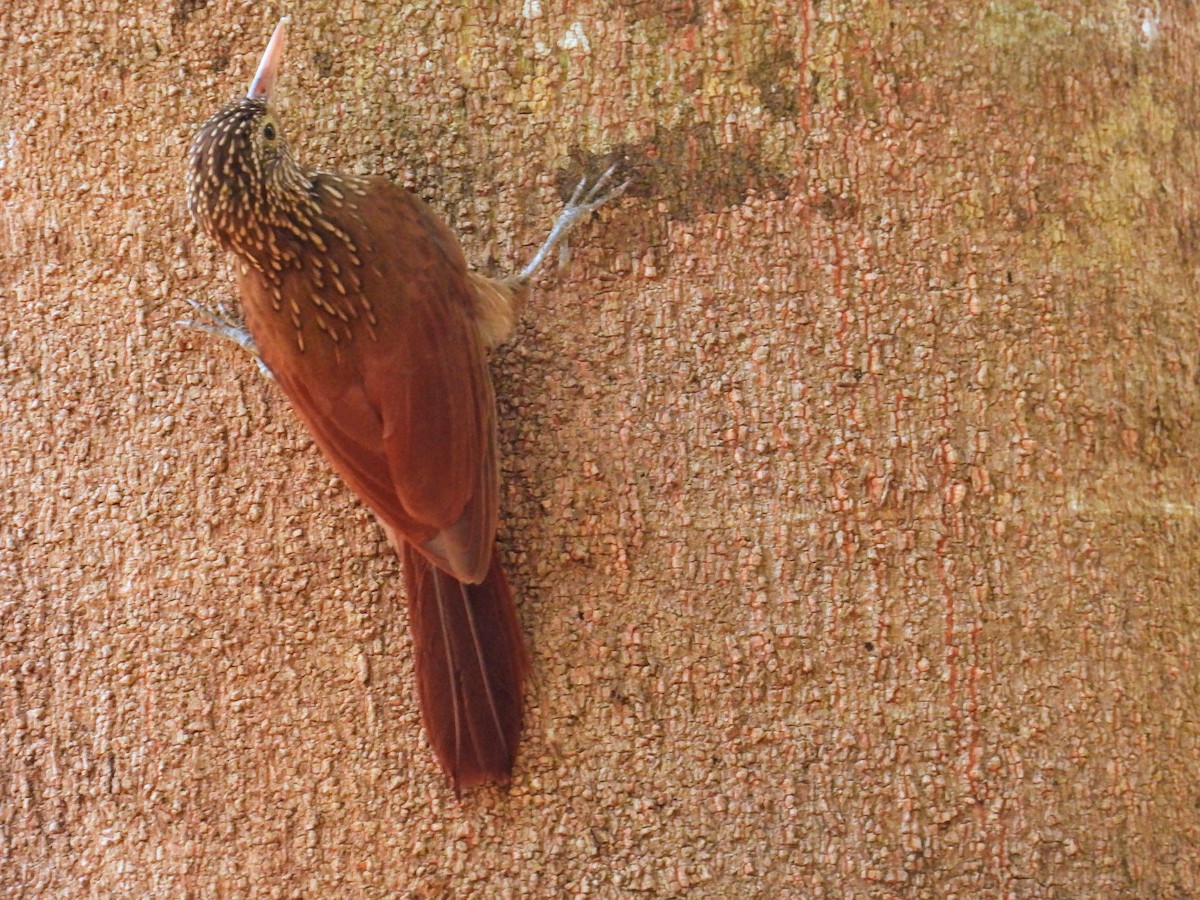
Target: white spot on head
[[532, 9], [575, 39]]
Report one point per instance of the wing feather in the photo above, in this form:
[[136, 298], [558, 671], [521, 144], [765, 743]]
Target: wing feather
[[407, 416]]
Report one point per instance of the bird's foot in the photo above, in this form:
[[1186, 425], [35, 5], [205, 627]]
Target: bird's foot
[[224, 325], [582, 204]]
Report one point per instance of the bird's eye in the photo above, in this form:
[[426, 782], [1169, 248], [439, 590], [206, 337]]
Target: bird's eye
[[269, 132]]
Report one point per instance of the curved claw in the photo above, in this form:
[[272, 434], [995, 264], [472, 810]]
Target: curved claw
[[602, 181], [578, 192], [597, 196], [224, 325], [584, 201]]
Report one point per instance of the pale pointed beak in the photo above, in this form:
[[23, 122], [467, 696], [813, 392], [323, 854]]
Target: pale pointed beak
[[268, 69]]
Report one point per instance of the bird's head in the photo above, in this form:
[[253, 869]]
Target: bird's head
[[242, 178]]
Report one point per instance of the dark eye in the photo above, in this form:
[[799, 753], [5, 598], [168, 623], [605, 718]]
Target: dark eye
[[269, 132]]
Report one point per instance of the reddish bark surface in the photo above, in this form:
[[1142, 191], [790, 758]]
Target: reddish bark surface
[[850, 469]]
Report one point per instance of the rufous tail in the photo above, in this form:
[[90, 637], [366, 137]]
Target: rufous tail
[[470, 664]]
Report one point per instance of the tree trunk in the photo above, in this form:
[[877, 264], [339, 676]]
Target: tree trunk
[[850, 467]]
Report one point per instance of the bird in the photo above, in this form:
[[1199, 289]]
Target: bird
[[358, 301]]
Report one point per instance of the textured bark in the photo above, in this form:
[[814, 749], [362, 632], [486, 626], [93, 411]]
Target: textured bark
[[850, 469]]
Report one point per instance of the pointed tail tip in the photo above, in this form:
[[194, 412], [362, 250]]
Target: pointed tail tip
[[470, 664], [477, 777]]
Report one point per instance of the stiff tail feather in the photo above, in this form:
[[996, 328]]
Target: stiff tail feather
[[470, 664]]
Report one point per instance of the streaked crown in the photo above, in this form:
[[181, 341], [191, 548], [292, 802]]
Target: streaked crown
[[242, 178], [243, 184]]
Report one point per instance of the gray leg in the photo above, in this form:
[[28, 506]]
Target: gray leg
[[579, 207], [224, 325]]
